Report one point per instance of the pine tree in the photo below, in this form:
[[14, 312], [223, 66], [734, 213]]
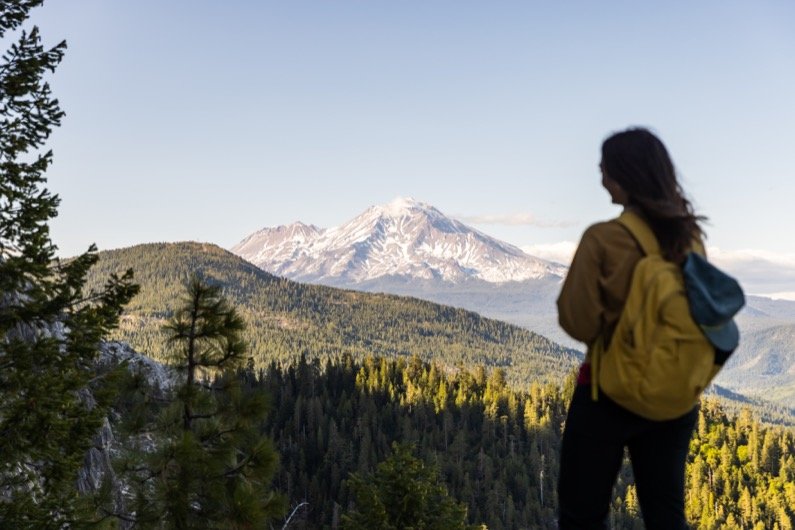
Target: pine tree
[[211, 466], [403, 493], [51, 403]]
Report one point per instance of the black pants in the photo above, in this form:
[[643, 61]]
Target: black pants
[[591, 455]]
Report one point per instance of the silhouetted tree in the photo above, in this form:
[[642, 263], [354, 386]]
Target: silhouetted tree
[[51, 403]]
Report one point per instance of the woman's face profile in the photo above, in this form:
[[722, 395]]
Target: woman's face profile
[[617, 193]]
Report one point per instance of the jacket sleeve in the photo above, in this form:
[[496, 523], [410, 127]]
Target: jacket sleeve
[[580, 306]]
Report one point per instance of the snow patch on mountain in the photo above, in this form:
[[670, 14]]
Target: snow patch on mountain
[[403, 238]]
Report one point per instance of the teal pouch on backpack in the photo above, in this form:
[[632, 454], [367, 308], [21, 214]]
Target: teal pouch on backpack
[[714, 298]]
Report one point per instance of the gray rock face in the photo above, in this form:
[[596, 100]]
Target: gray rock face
[[113, 354], [98, 467]]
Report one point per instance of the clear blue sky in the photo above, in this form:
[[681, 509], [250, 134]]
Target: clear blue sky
[[207, 120]]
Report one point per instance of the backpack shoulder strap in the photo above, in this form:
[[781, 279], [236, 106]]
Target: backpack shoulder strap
[[643, 234], [641, 231]]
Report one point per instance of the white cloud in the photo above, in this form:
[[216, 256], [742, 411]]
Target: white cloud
[[750, 256], [516, 219], [560, 252], [760, 272], [782, 296]]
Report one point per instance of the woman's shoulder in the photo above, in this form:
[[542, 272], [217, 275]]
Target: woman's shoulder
[[610, 230], [610, 238]]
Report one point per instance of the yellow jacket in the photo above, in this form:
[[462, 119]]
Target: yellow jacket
[[597, 284]]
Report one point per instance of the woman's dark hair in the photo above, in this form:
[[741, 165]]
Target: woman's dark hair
[[639, 162]]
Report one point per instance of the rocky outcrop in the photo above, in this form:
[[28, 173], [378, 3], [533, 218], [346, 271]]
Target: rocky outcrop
[[98, 469]]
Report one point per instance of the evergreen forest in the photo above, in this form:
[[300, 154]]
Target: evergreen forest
[[497, 448], [492, 450]]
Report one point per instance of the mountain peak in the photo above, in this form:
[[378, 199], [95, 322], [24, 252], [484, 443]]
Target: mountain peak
[[402, 206], [299, 228], [404, 238]]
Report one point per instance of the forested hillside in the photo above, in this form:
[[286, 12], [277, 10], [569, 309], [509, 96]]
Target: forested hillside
[[287, 319], [347, 376], [764, 365], [497, 449]]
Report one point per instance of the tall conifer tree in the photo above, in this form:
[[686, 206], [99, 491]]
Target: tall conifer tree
[[211, 466], [50, 329]]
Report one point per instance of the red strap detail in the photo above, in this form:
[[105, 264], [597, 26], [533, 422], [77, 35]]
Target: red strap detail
[[584, 375]]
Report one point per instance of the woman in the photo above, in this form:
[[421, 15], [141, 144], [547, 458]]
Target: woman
[[638, 174]]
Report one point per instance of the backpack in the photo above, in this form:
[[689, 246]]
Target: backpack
[[659, 360]]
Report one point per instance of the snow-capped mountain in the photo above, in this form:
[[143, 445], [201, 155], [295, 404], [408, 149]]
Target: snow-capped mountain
[[276, 246], [404, 238]]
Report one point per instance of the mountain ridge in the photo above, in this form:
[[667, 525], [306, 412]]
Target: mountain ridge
[[287, 319]]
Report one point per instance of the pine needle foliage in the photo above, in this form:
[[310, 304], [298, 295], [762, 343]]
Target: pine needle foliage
[[404, 492], [50, 327], [211, 466]]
